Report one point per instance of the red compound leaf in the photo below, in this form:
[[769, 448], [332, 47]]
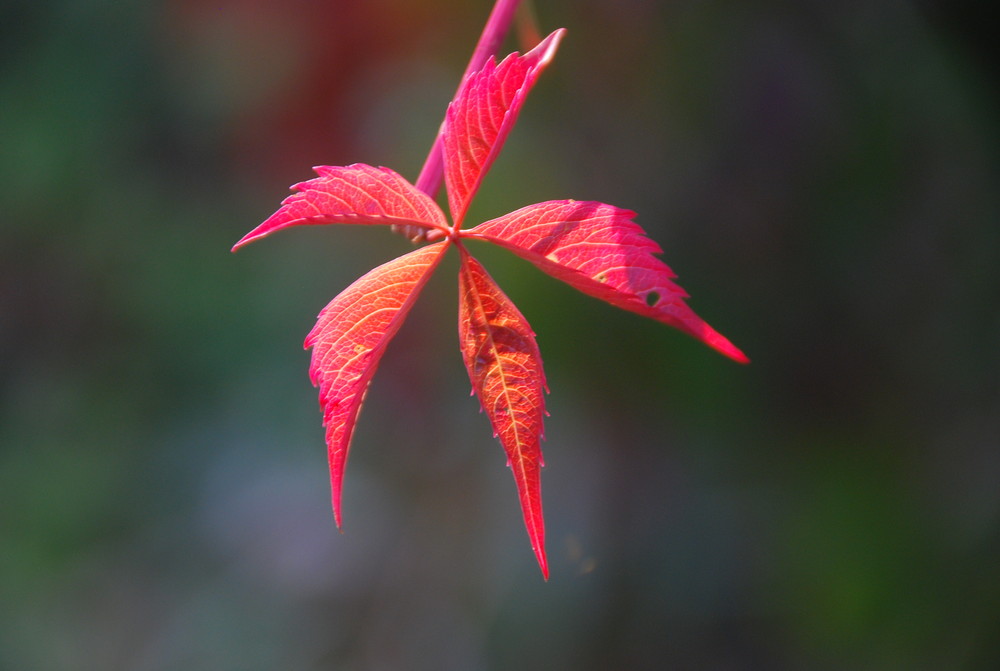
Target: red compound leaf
[[594, 247]]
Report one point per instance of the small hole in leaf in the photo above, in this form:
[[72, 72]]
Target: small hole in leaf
[[652, 298]]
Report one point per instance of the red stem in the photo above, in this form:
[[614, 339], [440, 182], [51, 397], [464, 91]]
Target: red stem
[[493, 35]]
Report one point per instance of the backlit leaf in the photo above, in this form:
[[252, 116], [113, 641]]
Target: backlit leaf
[[598, 249], [594, 247], [481, 117], [353, 194], [505, 367], [349, 338]]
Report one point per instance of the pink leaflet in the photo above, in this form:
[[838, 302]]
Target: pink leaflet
[[349, 338], [505, 367], [481, 116], [598, 249], [353, 194]]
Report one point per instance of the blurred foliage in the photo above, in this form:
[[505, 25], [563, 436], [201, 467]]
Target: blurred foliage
[[822, 176]]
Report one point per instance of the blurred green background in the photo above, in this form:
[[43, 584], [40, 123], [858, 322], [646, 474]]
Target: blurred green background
[[823, 178]]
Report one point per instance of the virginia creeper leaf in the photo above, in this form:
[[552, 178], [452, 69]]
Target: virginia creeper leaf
[[353, 194], [598, 249], [502, 358], [594, 247], [481, 117], [348, 340]]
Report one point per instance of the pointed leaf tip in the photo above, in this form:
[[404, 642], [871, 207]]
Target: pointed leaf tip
[[505, 367], [546, 49]]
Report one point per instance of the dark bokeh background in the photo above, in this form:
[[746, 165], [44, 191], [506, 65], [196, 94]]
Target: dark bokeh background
[[823, 177]]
